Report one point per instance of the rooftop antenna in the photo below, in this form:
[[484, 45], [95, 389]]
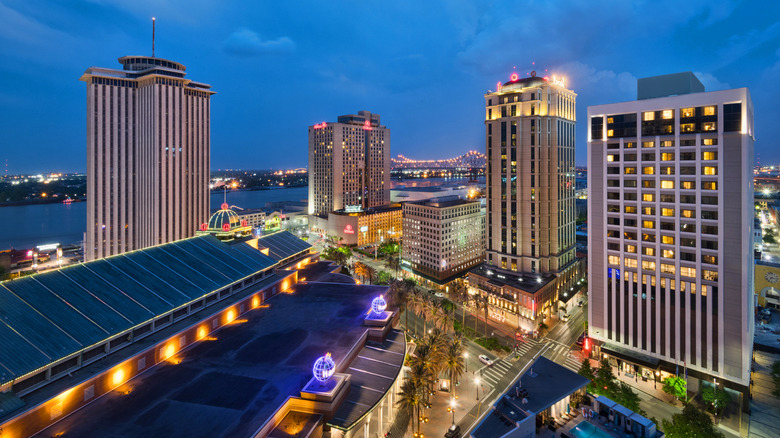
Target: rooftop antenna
[[153, 21]]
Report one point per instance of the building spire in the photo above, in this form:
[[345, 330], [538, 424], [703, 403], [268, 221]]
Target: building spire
[[153, 21]]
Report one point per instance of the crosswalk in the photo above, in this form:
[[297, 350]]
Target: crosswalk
[[491, 375], [572, 361], [525, 347]]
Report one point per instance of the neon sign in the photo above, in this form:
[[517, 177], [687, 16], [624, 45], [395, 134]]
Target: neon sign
[[498, 86], [559, 82], [203, 227], [244, 223], [513, 77], [367, 125], [348, 229], [225, 227], [320, 125]]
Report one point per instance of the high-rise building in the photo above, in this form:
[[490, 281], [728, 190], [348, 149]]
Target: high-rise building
[[443, 237], [529, 124], [148, 137], [670, 223], [349, 164]]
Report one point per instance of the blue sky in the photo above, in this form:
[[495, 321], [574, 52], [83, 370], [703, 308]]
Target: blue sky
[[279, 66]]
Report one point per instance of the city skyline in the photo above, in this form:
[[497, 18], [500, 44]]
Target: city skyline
[[295, 52]]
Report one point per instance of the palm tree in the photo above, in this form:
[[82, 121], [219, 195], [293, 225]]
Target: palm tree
[[410, 398], [447, 319], [370, 274], [481, 302], [453, 360], [434, 312], [394, 263], [416, 304], [424, 365], [400, 298], [460, 295]]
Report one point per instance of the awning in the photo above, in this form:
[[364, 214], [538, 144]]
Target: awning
[[638, 359]]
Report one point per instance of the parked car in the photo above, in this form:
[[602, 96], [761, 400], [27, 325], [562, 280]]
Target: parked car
[[440, 294], [565, 317], [486, 360], [453, 432], [579, 304], [581, 339]]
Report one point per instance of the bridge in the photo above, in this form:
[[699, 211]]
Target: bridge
[[469, 160]]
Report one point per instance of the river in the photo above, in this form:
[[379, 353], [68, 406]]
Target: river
[[26, 226]]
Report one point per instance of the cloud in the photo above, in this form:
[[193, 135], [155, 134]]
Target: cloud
[[711, 83], [245, 42]]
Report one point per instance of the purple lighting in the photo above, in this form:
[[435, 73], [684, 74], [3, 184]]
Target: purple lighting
[[324, 367], [379, 305]]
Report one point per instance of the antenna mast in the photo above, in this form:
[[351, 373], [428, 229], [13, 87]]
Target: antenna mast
[[153, 21]]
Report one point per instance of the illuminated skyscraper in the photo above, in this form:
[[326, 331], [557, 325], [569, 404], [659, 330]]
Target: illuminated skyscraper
[[349, 164], [148, 138], [529, 131], [670, 223]]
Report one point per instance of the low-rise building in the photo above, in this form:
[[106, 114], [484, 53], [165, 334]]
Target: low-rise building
[[358, 227], [443, 238]]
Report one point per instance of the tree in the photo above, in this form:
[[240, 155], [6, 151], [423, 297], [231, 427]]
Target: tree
[[769, 238], [447, 319], [362, 270], [542, 328], [383, 277], [586, 371], [416, 304], [394, 263], [690, 423], [399, 297], [453, 360], [370, 274], [410, 399], [676, 387], [626, 396], [717, 397]]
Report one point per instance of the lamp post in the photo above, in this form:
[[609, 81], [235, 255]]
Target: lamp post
[[476, 380], [452, 406], [466, 360], [655, 381]]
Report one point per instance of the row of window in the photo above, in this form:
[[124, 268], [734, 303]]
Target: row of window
[[664, 143], [663, 170], [665, 156], [665, 268], [669, 212]]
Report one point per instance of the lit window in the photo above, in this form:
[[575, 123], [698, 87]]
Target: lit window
[[686, 112], [610, 157], [648, 116], [667, 184], [709, 275], [629, 170], [709, 141], [687, 127], [709, 110], [688, 185], [668, 240], [668, 114], [648, 197], [687, 213], [650, 266], [667, 269], [629, 262], [631, 209], [709, 170], [648, 170], [610, 120], [610, 132], [667, 212], [709, 185], [648, 250], [687, 272], [667, 143], [648, 144], [648, 210], [631, 249], [667, 253], [704, 290], [708, 126], [709, 155], [613, 260], [648, 224], [710, 259]]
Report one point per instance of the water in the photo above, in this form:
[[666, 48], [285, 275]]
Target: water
[[26, 226]]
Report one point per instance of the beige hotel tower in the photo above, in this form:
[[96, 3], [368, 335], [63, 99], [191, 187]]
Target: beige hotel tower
[[148, 138]]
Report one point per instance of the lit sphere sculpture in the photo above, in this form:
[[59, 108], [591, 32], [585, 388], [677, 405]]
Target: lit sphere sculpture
[[324, 367], [379, 305]]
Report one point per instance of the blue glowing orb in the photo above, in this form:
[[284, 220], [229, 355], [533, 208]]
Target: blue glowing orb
[[324, 367], [378, 305]]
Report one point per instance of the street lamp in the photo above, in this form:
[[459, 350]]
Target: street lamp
[[655, 382], [452, 407], [476, 380], [466, 360]]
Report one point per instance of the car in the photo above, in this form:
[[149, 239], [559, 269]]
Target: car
[[440, 294], [431, 291], [486, 360], [453, 432], [581, 339], [579, 304], [565, 317]]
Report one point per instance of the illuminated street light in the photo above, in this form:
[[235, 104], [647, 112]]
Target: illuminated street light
[[476, 380]]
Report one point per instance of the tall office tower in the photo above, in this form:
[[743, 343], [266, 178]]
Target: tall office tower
[[529, 126], [530, 175], [148, 136], [670, 222], [349, 164]]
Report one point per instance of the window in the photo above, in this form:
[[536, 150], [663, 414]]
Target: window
[[667, 197], [648, 265], [667, 184], [709, 155], [629, 145], [613, 260], [648, 144], [629, 262], [688, 185], [687, 213], [709, 170], [709, 259], [667, 170], [648, 170], [647, 237], [648, 197], [629, 157], [709, 185], [684, 241], [709, 141], [687, 127], [709, 126], [610, 120], [629, 183], [631, 209], [688, 228], [667, 114], [667, 212], [648, 250], [629, 170], [648, 224], [709, 110], [687, 112], [709, 275], [667, 253], [648, 183], [667, 269], [711, 215], [613, 157], [667, 156], [648, 157], [648, 116], [648, 210], [687, 156], [667, 143], [687, 272], [631, 249], [610, 132], [668, 240]]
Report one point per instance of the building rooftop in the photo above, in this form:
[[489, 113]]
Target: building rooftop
[[528, 282], [282, 244], [668, 85], [48, 316], [444, 202], [545, 382], [231, 385]]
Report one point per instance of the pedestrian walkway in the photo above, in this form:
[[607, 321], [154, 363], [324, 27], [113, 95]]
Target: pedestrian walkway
[[493, 374], [525, 346], [573, 361]]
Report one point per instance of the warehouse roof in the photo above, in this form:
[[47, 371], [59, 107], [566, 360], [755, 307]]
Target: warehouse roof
[[48, 316], [282, 245]]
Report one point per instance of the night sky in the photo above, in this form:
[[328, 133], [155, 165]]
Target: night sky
[[279, 66]]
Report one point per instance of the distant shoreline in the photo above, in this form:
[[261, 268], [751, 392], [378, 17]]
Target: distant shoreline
[[39, 202]]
